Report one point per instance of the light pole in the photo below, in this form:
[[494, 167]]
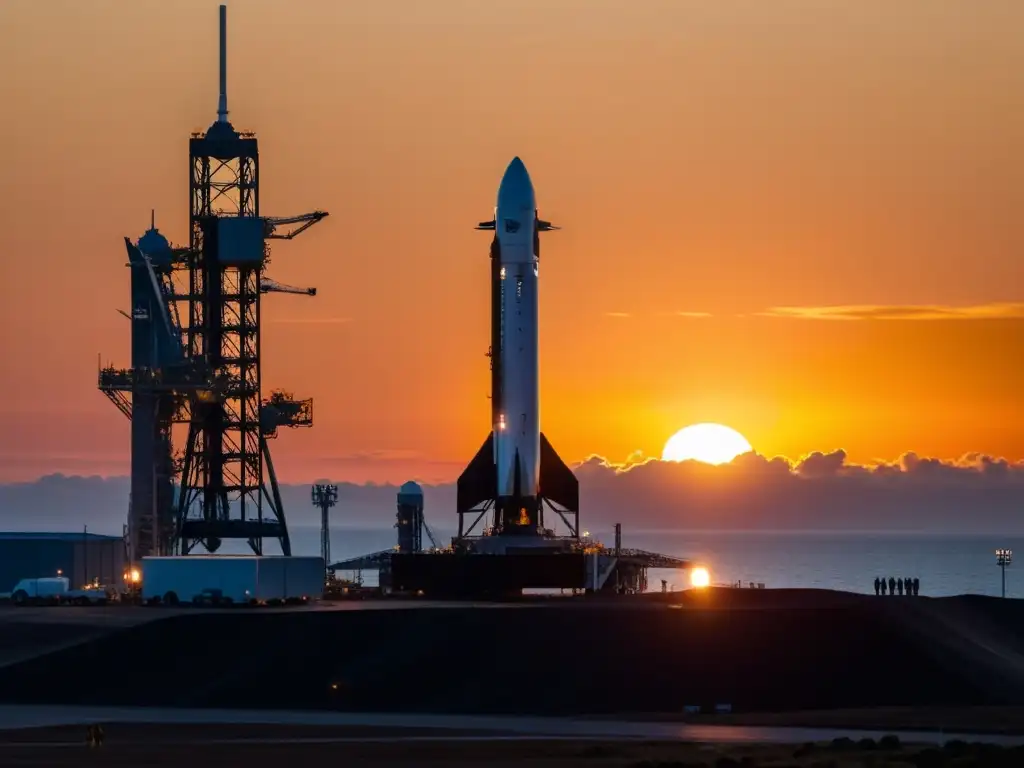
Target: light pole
[[1003, 558], [325, 496]]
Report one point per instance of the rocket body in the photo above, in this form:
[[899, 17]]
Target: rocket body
[[516, 470], [516, 386]]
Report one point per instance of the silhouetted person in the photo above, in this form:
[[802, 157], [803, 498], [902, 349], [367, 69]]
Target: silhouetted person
[[917, 586], [883, 585], [878, 584], [899, 586], [892, 586], [908, 584], [94, 735]]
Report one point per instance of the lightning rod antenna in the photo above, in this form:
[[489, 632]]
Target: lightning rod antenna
[[222, 102]]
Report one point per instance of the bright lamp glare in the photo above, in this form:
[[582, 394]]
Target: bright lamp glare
[[699, 577]]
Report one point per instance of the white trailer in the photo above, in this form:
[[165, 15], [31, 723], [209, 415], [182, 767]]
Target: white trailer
[[291, 578], [231, 579]]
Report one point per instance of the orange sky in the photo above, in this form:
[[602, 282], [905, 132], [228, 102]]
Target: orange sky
[[718, 158]]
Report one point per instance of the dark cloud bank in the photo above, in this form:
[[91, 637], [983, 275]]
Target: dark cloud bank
[[820, 492]]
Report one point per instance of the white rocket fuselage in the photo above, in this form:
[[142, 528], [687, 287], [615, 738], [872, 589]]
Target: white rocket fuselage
[[516, 409], [516, 472]]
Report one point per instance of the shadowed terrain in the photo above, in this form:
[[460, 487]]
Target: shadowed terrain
[[758, 650]]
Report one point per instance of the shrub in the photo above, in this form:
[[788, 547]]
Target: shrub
[[843, 744], [955, 747], [929, 758], [599, 751], [890, 742], [804, 750]]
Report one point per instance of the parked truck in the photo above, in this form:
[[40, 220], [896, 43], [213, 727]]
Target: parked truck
[[231, 579], [54, 590]]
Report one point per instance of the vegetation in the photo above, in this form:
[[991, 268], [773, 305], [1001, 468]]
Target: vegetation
[[128, 745]]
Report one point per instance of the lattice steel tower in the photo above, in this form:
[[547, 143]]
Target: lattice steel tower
[[229, 489], [324, 497]]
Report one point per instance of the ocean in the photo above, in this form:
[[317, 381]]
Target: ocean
[[946, 564]]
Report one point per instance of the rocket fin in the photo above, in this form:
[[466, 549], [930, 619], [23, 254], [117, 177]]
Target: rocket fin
[[478, 481], [558, 484]]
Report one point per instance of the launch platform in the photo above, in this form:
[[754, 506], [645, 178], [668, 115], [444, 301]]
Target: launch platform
[[455, 574], [516, 477]]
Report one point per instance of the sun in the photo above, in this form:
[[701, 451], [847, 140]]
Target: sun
[[709, 443]]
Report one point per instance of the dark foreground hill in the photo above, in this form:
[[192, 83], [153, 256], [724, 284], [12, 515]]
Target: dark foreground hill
[[757, 650]]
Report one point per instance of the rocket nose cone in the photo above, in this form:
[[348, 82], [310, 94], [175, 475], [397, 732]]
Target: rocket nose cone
[[516, 190], [516, 173]]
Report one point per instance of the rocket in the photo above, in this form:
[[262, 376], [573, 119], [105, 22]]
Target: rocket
[[516, 471]]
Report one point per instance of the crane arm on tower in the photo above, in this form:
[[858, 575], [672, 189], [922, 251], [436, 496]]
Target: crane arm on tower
[[304, 221], [281, 409], [272, 286]]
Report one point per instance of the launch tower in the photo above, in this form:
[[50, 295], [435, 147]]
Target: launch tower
[[196, 358], [228, 488]]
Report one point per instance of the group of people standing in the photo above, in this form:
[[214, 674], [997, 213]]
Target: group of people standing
[[897, 586]]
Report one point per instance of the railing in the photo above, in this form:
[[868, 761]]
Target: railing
[[738, 584], [652, 559], [364, 563], [127, 379]]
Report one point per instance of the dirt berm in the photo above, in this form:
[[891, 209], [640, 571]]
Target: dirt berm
[[777, 650]]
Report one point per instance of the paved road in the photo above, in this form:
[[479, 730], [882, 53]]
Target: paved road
[[18, 717]]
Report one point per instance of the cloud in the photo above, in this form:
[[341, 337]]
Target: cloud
[[680, 313], [379, 454], [819, 464], [308, 320], [993, 311], [388, 456], [823, 490]]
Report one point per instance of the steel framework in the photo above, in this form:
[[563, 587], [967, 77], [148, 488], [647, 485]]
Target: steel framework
[[224, 454], [204, 372], [229, 488], [325, 496]]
